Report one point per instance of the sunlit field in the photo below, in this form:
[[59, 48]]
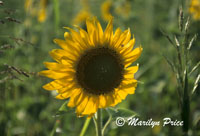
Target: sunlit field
[[148, 50]]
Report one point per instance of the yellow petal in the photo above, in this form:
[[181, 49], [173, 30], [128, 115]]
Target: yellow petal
[[68, 86], [67, 36], [108, 32], [85, 36], [74, 46], [128, 47], [102, 101], [129, 81], [130, 90], [54, 85], [80, 108], [91, 30], [117, 99], [128, 37], [122, 94], [80, 98], [77, 38], [109, 99], [55, 75], [74, 97], [100, 30], [67, 94], [128, 75], [62, 54], [58, 67], [59, 96], [63, 44], [134, 55], [120, 41], [128, 84], [91, 106], [116, 36], [132, 69]]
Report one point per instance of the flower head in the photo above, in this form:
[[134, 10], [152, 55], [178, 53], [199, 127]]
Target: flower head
[[38, 9], [123, 9], [93, 67], [106, 10], [195, 9], [42, 11], [81, 17]]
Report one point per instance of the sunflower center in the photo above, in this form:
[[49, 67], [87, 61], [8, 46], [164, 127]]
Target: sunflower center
[[99, 70]]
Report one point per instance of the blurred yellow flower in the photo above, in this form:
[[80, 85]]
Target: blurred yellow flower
[[29, 8], [123, 9], [27, 22], [156, 129], [83, 14], [27, 5], [81, 17], [195, 9], [106, 10], [39, 11], [85, 4], [42, 12], [93, 67]]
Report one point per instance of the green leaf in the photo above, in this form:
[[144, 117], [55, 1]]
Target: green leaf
[[170, 63], [191, 41], [196, 118], [195, 67], [120, 112], [64, 109], [186, 106], [196, 84]]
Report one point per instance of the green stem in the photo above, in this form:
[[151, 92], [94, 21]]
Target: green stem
[[98, 123], [107, 123], [86, 124], [55, 127]]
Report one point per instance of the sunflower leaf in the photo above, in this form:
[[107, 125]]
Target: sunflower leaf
[[120, 112], [64, 109]]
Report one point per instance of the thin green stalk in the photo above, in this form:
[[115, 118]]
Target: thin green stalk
[[107, 123], [55, 127], [95, 123], [186, 106], [98, 123], [85, 126]]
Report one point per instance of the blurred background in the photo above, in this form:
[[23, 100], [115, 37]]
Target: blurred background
[[27, 30]]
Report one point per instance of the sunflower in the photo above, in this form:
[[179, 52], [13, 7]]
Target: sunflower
[[27, 5], [123, 9], [81, 17], [37, 9], [42, 11], [195, 9], [93, 67], [106, 10]]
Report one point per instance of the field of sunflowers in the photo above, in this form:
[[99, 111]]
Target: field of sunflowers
[[99, 67]]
